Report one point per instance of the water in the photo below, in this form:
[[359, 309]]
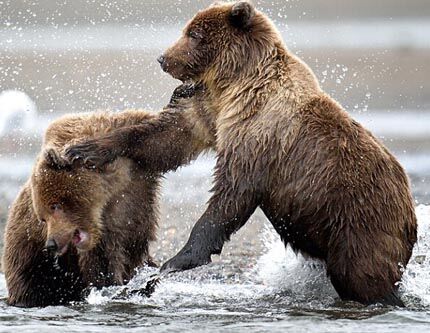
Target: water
[[281, 293], [352, 34], [105, 58]]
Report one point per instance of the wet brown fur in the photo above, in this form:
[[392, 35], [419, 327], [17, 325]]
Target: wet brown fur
[[329, 187], [117, 206]]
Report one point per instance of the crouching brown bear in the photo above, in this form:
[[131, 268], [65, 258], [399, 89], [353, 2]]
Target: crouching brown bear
[[328, 186], [71, 227]]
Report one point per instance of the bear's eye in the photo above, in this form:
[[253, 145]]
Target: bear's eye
[[56, 207], [195, 35]]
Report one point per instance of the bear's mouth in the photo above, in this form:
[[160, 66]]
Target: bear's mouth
[[63, 250], [80, 239]]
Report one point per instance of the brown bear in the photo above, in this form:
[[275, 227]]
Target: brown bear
[[72, 227], [328, 186]]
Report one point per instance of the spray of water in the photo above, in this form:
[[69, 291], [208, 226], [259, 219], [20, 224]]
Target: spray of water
[[415, 284], [302, 278], [280, 273], [281, 268], [17, 112]]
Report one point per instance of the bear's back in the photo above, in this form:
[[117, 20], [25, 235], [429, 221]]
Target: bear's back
[[72, 128]]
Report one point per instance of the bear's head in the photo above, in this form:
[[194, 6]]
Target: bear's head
[[70, 200], [222, 41]]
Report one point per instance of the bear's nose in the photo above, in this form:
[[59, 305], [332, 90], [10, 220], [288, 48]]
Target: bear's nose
[[51, 246], [161, 59]]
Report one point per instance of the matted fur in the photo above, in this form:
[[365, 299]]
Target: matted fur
[[117, 206]]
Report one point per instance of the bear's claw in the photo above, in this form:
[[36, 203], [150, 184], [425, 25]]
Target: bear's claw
[[184, 261], [90, 153], [184, 91]]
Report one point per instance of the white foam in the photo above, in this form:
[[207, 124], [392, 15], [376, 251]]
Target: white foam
[[181, 290], [416, 278], [281, 268], [17, 112]]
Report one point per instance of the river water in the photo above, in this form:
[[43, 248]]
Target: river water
[[379, 71], [281, 293]]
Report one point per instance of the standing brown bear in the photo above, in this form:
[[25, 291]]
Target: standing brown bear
[[70, 227], [329, 187]]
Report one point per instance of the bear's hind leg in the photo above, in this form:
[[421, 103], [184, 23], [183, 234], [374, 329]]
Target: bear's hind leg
[[350, 290], [364, 273]]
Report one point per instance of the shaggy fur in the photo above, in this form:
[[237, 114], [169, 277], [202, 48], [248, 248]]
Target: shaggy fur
[[116, 206], [329, 187]]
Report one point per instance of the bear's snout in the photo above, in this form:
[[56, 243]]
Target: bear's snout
[[164, 64], [161, 59], [51, 246], [57, 245]]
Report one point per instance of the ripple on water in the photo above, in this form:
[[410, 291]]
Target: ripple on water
[[283, 292]]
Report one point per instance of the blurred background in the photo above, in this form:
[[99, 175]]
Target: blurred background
[[59, 56]]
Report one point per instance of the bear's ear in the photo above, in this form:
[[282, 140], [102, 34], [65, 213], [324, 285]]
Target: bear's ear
[[54, 160], [241, 14]]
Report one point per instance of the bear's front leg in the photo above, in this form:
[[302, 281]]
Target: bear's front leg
[[233, 202], [164, 143], [96, 153], [183, 92]]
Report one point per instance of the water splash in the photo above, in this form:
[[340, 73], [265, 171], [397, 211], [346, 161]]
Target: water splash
[[280, 277], [181, 290], [303, 278], [415, 284], [17, 112]]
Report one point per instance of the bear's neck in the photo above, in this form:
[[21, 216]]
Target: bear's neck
[[243, 94]]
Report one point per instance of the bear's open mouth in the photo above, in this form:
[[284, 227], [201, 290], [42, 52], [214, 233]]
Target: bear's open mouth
[[76, 237], [80, 238]]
